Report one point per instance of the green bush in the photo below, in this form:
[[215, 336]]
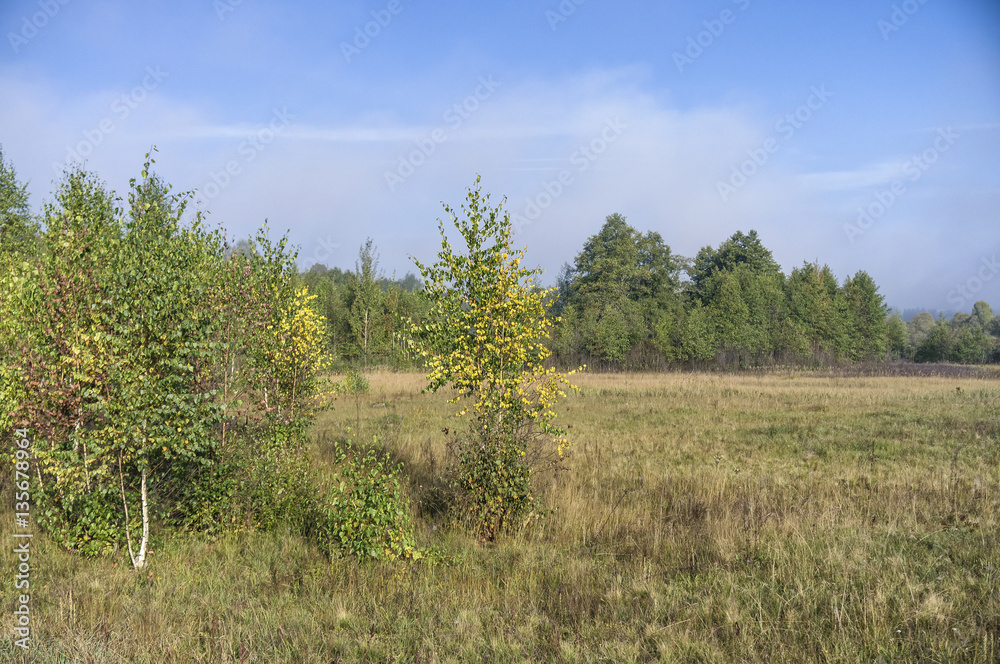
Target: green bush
[[260, 482], [165, 379], [365, 512]]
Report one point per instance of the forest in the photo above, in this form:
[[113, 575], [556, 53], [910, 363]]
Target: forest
[[628, 303]]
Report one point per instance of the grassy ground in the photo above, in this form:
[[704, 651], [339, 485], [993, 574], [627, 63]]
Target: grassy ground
[[704, 518]]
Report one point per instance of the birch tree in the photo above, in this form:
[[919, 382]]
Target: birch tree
[[486, 339]]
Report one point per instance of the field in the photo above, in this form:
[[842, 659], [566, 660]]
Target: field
[[788, 517]]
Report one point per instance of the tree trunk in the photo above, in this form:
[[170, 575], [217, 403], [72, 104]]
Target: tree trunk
[[137, 560]]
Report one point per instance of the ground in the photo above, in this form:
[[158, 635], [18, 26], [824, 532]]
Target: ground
[[786, 516]]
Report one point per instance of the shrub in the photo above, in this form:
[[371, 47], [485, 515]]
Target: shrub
[[365, 512], [486, 338]]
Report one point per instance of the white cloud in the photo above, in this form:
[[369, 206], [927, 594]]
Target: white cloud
[[327, 182], [861, 178]]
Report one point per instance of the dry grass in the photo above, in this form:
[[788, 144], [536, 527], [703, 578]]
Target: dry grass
[[704, 518]]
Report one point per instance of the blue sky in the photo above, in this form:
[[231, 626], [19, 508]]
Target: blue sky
[[864, 134]]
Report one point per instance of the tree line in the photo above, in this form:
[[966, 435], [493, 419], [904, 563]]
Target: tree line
[[628, 302]]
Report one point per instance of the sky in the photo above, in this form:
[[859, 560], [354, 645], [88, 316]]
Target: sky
[[863, 134]]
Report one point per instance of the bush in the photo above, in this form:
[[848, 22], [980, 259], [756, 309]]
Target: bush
[[259, 482], [486, 338], [365, 512], [165, 378]]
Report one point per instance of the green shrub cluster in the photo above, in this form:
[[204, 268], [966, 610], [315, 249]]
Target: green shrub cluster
[[165, 378], [366, 512]]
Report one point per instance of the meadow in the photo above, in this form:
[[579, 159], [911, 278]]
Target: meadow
[[782, 516]]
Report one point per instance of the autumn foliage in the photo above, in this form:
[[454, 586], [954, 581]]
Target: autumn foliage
[[485, 337], [166, 378]]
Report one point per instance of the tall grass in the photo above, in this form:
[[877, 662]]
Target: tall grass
[[702, 518]]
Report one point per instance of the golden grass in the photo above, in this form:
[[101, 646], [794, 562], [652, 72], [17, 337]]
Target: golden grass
[[703, 518]]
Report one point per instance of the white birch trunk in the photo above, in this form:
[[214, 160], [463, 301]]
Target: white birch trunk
[[137, 560]]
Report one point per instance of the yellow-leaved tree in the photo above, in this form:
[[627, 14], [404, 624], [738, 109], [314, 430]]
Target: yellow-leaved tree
[[297, 353], [485, 338]]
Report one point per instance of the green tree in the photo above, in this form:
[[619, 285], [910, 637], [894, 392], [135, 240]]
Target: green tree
[[730, 316], [994, 327], [740, 249], [18, 231], [983, 313], [866, 316], [764, 293], [127, 369], [486, 338], [897, 337], [743, 288], [963, 320], [970, 346], [160, 411], [919, 327], [815, 309], [53, 366], [697, 341], [936, 346], [368, 305], [333, 288], [165, 376], [621, 262], [611, 339], [113, 359], [666, 333], [623, 289]]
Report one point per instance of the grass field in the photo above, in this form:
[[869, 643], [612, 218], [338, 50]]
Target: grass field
[[794, 517]]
